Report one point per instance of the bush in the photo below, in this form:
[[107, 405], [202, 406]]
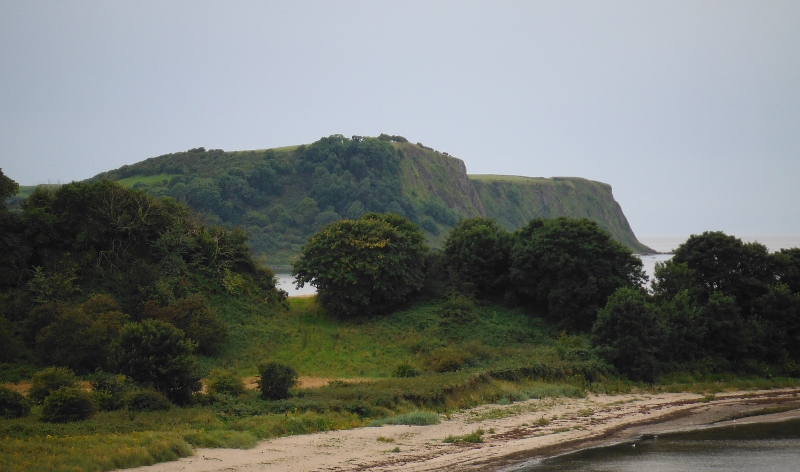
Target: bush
[[225, 382], [156, 353], [414, 418], [108, 390], [12, 404], [146, 400], [67, 404], [275, 380], [447, 359], [406, 370], [44, 382]]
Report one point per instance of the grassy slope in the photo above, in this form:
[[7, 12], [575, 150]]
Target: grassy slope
[[502, 342], [513, 201]]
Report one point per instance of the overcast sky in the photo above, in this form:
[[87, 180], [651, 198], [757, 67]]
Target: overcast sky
[[690, 110]]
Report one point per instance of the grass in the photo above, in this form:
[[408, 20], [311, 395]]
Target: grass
[[414, 418], [508, 358], [144, 179], [473, 437]]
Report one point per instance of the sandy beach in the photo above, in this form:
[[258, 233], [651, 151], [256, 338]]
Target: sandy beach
[[513, 434]]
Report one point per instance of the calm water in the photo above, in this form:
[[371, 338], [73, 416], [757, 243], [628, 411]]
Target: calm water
[[286, 282], [773, 447]]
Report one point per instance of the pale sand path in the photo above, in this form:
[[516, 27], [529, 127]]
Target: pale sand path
[[519, 434]]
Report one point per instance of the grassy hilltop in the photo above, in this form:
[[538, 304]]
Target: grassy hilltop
[[284, 195]]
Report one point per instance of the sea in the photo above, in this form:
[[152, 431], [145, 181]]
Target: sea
[[757, 447]]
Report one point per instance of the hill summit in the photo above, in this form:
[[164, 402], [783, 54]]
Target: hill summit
[[284, 195]]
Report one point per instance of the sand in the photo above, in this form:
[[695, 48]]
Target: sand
[[513, 434]]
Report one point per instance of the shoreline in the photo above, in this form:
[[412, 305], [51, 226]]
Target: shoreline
[[514, 434]]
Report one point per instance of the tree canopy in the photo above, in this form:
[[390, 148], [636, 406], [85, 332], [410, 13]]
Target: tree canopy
[[476, 253], [567, 268], [364, 265]]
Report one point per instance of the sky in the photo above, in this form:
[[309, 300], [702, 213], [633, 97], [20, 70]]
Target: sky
[[690, 110]]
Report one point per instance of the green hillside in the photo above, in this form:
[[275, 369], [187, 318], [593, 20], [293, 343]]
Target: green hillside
[[513, 201], [282, 196]]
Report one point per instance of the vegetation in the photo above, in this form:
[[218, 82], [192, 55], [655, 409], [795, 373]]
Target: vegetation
[[568, 268], [12, 404], [283, 196], [67, 404], [367, 264], [159, 300], [275, 380]]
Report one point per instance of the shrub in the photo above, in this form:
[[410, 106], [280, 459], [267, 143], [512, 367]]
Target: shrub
[[146, 400], [447, 359], [275, 380], [225, 382], [12, 404], [156, 353], [414, 418], [67, 404], [473, 437], [406, 370], [108, 390], [48, 380]]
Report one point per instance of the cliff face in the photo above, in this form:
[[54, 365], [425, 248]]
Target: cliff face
[[513, 201]]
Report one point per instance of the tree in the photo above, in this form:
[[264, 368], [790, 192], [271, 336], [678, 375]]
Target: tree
[[787, 267], [629, 335], [362, 265], [8, 188], [722, 263], [476, 253], [195, 317], [567, 268], [156, 353]]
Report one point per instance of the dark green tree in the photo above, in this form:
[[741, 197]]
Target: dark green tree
[[723, 263], [365, 265], [477, 254], [629, 335], [157, 354], [787, 267], [567, 268]]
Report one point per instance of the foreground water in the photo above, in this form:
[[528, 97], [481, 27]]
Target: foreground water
[[761, 447]]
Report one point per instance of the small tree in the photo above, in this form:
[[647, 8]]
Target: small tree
[[156, 353], [275, 380]]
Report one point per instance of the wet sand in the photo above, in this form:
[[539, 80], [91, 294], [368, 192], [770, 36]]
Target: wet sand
[[513, 434]]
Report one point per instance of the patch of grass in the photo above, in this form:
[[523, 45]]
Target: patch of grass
[[473, 437], [542, 421], [415, 418], [145, 179], [384, 439]]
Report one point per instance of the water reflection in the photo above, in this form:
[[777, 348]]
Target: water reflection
[[751, 448]]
